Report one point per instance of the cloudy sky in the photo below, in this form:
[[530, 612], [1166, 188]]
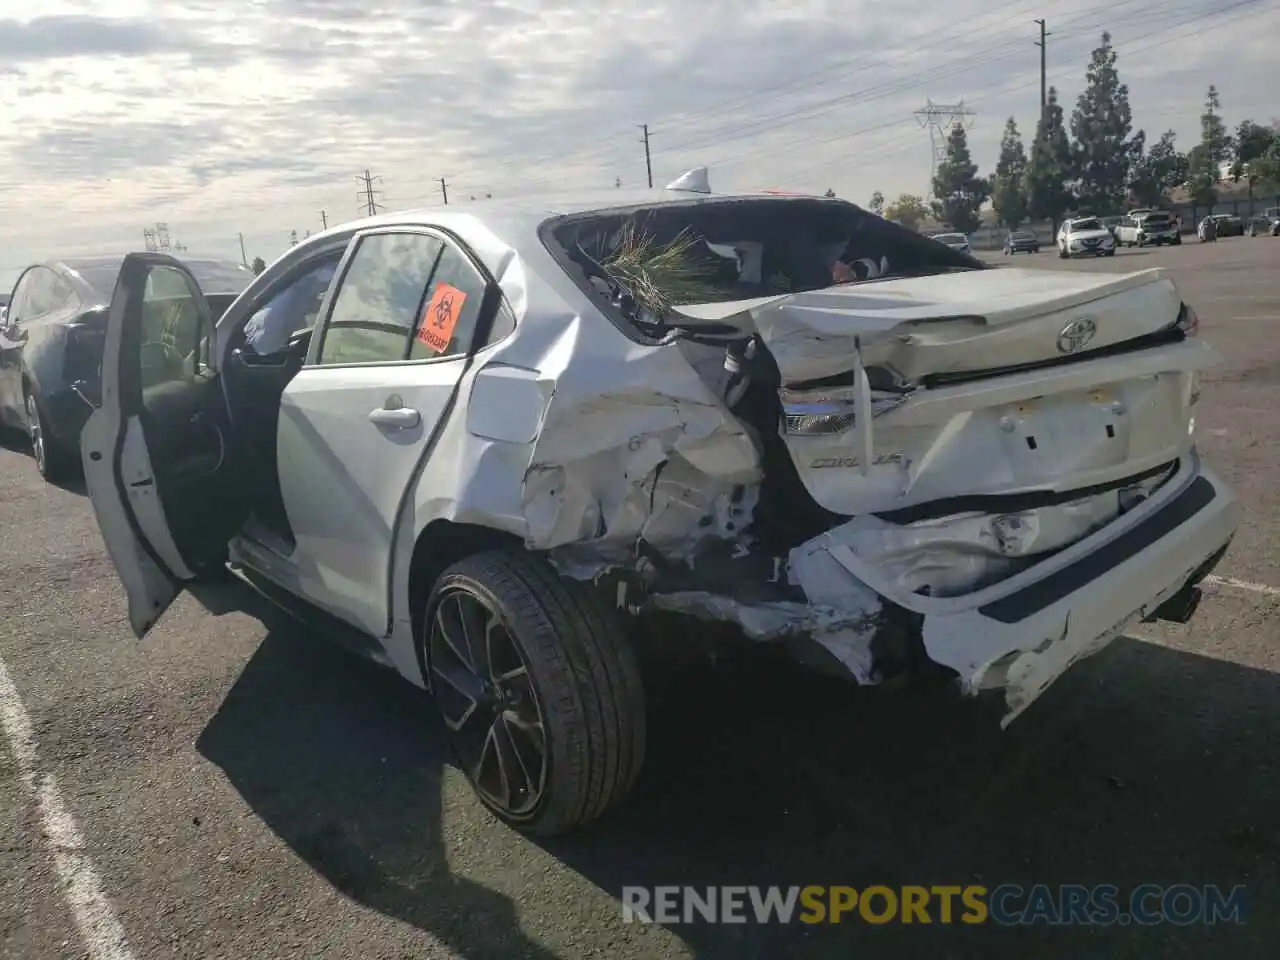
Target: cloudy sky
[[228, 117]]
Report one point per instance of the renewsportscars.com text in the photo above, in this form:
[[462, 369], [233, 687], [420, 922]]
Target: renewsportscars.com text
[[1003, 905]]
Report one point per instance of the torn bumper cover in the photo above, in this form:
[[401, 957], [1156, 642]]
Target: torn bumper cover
[[1024, 632]]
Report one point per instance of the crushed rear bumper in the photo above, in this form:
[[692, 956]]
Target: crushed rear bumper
[[1028, 635]]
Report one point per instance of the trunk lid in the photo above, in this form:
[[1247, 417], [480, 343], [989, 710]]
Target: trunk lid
[[982, 387], [953, 323]]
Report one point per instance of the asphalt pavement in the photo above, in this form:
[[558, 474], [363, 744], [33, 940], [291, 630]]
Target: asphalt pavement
[[235, 787]]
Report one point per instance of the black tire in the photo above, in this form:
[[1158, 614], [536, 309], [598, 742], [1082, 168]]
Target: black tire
[[576, 664], [52, 461], [1062, 254], [1110, 253]]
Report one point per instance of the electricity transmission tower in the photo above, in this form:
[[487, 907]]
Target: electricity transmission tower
[[938, 119], [156, 239], [369, 196]]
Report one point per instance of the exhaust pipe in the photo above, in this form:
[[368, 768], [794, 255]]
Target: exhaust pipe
[[1179, 608]]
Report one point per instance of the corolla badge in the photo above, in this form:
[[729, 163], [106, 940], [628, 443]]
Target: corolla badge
[[1076, 334]]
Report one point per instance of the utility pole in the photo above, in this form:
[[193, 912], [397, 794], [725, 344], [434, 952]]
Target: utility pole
[[648, 160], [1044, 35], [444, 191], [244, 257], [368, 194], [324, 221]]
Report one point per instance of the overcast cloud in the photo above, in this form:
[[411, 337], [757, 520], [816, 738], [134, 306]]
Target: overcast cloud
[[248, 116]]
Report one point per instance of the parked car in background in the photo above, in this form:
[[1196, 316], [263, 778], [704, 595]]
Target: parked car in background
[[51, 345], [1085, 237], [1112, 224], [1227, 224], [956, 241], [1266, 223], [513, 426], [1021, 241], [1148, 227]]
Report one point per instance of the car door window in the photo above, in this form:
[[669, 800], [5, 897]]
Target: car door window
[[62, 296], [452, 309], [40, 293], [296, 307], [17, 302], [176, 338], [379, 299]]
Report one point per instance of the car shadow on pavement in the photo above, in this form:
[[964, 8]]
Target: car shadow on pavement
[[17, 442], [343, 760], [1143, 765]]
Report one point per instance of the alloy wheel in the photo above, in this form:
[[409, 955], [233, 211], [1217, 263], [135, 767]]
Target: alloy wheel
[[489, 703], [36, 431]]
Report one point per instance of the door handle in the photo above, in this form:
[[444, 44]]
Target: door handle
[[399, 418]]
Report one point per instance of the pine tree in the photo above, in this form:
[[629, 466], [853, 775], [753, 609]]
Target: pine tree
[[1008, 189], [960, 191], [1101, 126], [1252, 142], [1049, 166], [1206, 158], [1153, 177]]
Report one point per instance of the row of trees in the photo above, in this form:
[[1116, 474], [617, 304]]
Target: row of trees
[[1102, 167]]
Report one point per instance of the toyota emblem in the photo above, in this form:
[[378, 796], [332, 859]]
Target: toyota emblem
[[1076, 334]]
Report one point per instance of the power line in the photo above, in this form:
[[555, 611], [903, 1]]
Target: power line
[[888, 89]]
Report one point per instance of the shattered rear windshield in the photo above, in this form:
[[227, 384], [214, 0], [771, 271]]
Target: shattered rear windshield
[[645, 260]]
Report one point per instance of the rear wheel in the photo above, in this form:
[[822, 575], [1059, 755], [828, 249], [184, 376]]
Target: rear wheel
[[538, 688], [53, 462]]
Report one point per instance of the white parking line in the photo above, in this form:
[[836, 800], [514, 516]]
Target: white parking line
[[101, 932], [1243, 585]]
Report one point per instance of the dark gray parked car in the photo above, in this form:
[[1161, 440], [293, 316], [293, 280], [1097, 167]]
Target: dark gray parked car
[[1021, 241], [51, 341], [1266, 223]]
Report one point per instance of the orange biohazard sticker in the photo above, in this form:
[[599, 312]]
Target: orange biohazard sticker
[[440, 317]]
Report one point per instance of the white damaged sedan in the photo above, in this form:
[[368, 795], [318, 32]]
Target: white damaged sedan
[[485, 441]]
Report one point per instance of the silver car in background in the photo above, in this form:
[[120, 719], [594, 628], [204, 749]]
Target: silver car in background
[[956, 241]]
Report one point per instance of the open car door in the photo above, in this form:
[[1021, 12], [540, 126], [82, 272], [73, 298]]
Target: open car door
[[159, 463]]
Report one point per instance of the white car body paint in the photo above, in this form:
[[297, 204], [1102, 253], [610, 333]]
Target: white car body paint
[[584, 442], [1074, 241]]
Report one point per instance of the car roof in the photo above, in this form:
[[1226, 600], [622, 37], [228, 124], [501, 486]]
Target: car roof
[[541, 207], [97, 274], [494, 227]]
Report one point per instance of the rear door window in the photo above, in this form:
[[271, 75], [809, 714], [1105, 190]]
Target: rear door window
[[451, 309], [379, 300]]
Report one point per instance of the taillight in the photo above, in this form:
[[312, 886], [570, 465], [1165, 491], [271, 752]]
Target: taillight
[[818, 415]]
